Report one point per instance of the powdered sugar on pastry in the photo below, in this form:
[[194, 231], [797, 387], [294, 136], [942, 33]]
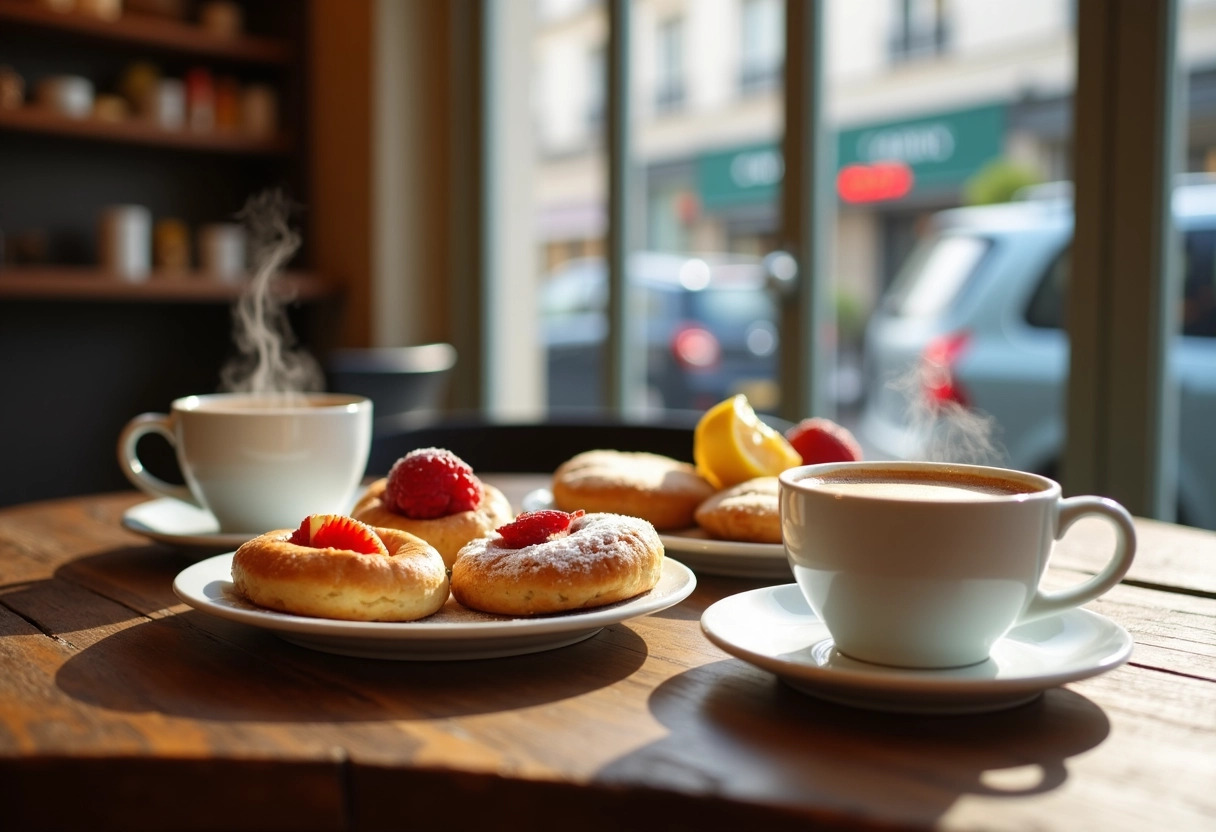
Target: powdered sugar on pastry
[[604, 558]]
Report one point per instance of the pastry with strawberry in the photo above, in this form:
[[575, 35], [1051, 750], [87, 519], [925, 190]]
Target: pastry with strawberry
[[434, 494], [553, 561], [333, 566]]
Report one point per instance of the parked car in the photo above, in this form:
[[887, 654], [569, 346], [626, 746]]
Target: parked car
[[707, 320], [966, 358]]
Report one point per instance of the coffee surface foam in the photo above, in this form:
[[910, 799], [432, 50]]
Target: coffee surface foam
[[936, 486]]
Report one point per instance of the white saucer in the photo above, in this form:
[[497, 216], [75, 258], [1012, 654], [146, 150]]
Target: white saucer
[[452, 633], [179, 524], [774, 629], [702, 553]]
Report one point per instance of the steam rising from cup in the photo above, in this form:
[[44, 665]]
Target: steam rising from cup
[[944, 430], [268, 359]]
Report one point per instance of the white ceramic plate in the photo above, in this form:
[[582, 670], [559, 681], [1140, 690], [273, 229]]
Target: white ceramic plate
[[179, 524], [702, 553], [450, 634], [774, 629]]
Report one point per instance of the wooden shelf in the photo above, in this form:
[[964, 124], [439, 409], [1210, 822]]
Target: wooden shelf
[[152, 32], [38, 120], [65, 283]]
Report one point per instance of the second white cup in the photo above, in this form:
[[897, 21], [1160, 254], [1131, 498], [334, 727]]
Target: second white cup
[[928, 565]]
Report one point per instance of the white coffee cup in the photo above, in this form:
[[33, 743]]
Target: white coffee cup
[[258, 461], [221, 251], [168, 104], [928, 565], [69, 95], [124, 241]]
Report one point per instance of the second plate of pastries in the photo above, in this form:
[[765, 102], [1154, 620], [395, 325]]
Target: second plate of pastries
[[703, 554]]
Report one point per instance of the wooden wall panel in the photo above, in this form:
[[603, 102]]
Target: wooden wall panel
[[341, 161]]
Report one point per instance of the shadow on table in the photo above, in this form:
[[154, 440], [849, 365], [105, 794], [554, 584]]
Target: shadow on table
[[751, 736], [195, 666], [98, 590], [127, 649]]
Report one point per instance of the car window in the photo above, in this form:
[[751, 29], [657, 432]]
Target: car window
[[731, 310], [657, 305], [1199, 283], [934, 274], [1047, 305], [1046, 309]]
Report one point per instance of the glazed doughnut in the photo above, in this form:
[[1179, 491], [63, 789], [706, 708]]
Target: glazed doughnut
[[603, 559], [446, 534], [408, 583], [746, 512], [659, 489]]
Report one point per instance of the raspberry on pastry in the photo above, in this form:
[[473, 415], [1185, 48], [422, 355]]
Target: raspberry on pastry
[[434, 494]]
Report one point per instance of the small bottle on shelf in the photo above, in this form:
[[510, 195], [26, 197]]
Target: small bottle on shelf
[[200, 99]]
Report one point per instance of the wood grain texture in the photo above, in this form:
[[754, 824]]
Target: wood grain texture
[[120, 703]]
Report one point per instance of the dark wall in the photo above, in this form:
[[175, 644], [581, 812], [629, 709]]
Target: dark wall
[[73, 373]]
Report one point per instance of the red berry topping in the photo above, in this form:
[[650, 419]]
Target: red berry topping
[[534, 527], [432, 482], [333, 531], [822, 440]]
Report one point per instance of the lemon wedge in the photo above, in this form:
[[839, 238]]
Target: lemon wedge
[[731, 445]]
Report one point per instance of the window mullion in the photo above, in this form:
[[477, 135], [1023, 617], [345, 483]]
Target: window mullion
[[806, 208], [1121, 287], [624, 366]]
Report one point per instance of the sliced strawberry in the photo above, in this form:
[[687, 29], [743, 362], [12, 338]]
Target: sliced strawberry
[[334, 531], [534, 527], [822, 440]]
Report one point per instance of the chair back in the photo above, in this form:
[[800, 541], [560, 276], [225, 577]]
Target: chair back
[[398, 380], [532, 447]]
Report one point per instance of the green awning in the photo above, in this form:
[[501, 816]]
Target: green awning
[[942, 150]]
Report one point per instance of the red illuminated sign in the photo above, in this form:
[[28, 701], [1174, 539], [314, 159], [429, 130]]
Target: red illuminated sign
[[874, 183]]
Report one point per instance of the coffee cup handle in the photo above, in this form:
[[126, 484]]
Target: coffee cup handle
[[1068, 511], [128, 457]]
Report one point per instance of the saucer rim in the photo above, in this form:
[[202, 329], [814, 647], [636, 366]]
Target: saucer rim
[[131, 523], [881, 679]]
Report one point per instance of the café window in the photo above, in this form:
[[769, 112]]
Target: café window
[[669, 76], [912, 145], [596, 63], [919, 29], [762, 45]]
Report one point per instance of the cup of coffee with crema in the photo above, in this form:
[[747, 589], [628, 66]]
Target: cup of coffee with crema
[[256, 461], [928, 565]]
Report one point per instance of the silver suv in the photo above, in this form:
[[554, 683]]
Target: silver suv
[[966, 358]]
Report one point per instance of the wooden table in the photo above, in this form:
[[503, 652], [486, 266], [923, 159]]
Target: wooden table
[[121, 708]]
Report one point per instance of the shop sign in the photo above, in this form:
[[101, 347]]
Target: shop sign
[[940, 151], [879, 182], [741, 176], [936, 151]]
